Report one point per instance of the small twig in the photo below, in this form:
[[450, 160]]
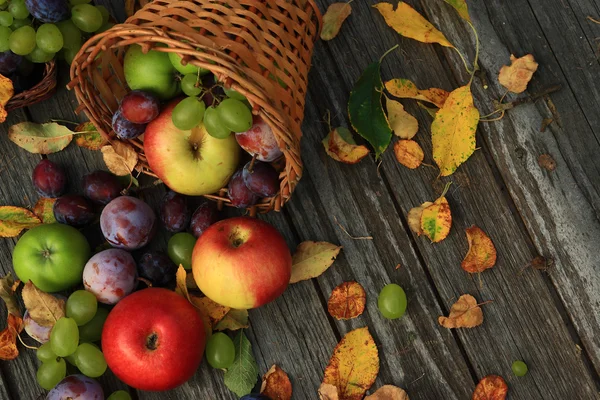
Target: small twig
[[593, 20], [25, 344], [494, 119], [349, 235], [146, 281], [418, 379], [252, 162]]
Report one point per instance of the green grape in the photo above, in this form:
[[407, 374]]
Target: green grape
[[82, 306], [213, 124], [39, 56], [519, 368], [105, 14], [92, 331], [76, 2], [188, 113], [49, 38], [44, 353], [119, 395], [90, 360], [392, 301], [4, 38], [64, 337], [234, 94], [22, 41], [70, 54], [6, 18], [220, 351], [190, 85], [18, 9], [71, 359], [86, 17], [235, 115], [17, 23], [51, 372], [180, 248], [70, 33]]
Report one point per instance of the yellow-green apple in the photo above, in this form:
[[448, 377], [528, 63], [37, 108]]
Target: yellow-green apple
[[151, 72], [242, 263], [189, 162], [153, 339]]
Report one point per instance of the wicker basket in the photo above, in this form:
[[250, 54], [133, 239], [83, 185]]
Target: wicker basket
[[44, 89], [250, 45]]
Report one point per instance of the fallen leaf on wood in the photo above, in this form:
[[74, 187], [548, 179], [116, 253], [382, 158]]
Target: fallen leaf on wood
[[409, 23], [276, 384], [43, 308], [406, 89], [328, 392], [432, 111], [14, 219], [120, 158], [414, 217], [241, 377], [215, 311], [547, 162], [333, 19], [7, 294], [436, 220], [491, 387], [453, 131], [516, 76], [89, 137], [354, 365], [7, 91], [482, 252], [347, 301], [402, 123], [43, 209], [461, 7], [388, 392], [465, 313], [312, 259], [40, 138], [340, 146], [8, 338], [409, 153], [233, 321]]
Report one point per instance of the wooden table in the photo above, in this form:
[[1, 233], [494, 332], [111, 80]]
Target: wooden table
[[550, 319]]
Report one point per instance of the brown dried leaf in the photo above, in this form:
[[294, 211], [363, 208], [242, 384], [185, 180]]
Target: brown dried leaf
[[276, 384], [409, 153], [333, 19], [8, 338], [120, 158], [6, 93], [214, 311], [516, 76], [465, 313], [14, 219], [233, 321], [328, 392], [89, 137], [482, 252], [347, 301], [43, 308], [43, 209], [402, 123], [388, 392], [311, 259], [491, 387], [7, 294], [547, 162], [340, 146], [414, 217]]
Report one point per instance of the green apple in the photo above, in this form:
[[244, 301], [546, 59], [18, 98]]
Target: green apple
[[151, 72], [185, 69], [51, 256], [189, 162]]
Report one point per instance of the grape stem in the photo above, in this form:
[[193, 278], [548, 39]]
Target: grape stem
[[25, 344]]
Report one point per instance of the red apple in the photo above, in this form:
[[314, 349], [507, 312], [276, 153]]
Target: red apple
[[260, 141], [242, 263], [153, 340]]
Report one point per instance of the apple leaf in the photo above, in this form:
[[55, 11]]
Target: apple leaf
[[340, 146], [8, 338], [406, 89], [414, 217], [7, 91], [14, 219], [328, 391], [214, 311], [119, 157], [402, 123], [40, 138], [388, 392], [43, 308], [241, 377], [436, 219], [333, 19], [312, 259], [89, 137], [461, 7], [7, 294], [181, 280], [491, 387], [409, 153], [233, 321], [516, 76], [276, 384], [347, 301], [465, 313], [43, 209], [482, 252]]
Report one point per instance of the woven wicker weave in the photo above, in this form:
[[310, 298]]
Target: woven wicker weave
[[44, 89], [250, 45]]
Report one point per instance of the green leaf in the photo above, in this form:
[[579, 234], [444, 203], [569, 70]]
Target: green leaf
[[241, 377], [40, 138], [461, 7], [366, 111], [89, 137]]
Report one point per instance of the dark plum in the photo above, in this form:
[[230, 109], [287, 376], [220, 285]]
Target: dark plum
[[238, 192], [174, 212], [76, 387], [125, 129], [205, 215], [49, 179], [49, 10], [158, 268], [110, 275], [9, 62], [261, 178], [101, 187], [128, 223], [73, 210], [140, 107]]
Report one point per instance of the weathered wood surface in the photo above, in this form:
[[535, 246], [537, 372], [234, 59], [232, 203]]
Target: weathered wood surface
[[551, 320]]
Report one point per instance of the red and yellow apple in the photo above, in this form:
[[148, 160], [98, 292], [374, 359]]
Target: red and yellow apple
[[242, 263], [189, 162]]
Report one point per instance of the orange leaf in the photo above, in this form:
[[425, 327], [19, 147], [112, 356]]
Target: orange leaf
[[402, 123], [406, 89], [340, 146], [409, 153], [482, 253], [465, 313], [516, 76], [491, 387], [347, 301], [388, 392], [436, 220], [414, 217], [43, 209], [6, 93], [333, 19], [328, 392], [214, 311], [14, 219], [276, 384], [354, 365], [8, 338]]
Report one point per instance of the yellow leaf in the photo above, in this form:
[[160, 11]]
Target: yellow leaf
[[461, 7], [409, 23], [233, 320], [340, 146], [436, 220], [43, 308], [89, 137], [402, 123], [181, 283], [214, 311], [14, 219], [406, 89], [354, 365], [347, 301], [516, 76], [120, 158], [482, 252], [328, 392], [333, 19], [312, 259], [414, 217], [43, 209], [6, 93], [465, 313], [409, 153], [276, 384], [388, 392], [453, 131]]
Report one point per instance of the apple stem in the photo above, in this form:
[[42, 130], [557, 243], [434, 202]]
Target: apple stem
[[146, 281], [251, 167]]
